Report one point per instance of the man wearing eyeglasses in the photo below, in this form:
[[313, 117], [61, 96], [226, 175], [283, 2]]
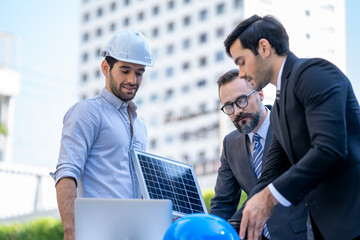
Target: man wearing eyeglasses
[[243, 158]]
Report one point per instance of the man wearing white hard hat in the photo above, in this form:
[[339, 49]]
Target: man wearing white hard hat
[[99, 133]]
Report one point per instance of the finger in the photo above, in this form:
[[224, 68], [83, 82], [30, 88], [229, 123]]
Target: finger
[[258, 229], [243, 225], [251, 231]]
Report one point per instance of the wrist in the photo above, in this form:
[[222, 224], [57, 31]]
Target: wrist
[[271, 197]]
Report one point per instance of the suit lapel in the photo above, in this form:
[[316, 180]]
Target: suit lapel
[[284, 139], [245, 166]]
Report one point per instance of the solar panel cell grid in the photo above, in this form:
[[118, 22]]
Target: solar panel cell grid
[[168, 179]]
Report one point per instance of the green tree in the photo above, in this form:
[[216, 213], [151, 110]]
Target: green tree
[[3, 129]]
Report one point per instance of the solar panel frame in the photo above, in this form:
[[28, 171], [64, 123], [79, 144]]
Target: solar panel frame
[[184, 190]]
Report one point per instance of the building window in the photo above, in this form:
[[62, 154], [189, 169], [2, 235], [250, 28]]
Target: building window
[[169, 94], [238, 3], [170, 49], [98, 52], [171, 4], [203, 15], [155, 53], [85, 37], [201, 156], [84, 77], [220, 9], [153, 143], [201, 83], [186, 66], [85, 57], [187, 1], [202, 38], [155, 32], [169, 71], [86, 17], [170, 26], [98, 32], [185, 158], [99, 12], [126, 2], [220, 32], [186, 21], [155, 10], [186, 43], [138, 102], [185, 88], [219, 56], [112, 27], [97, 73], [202, 108], [154, 75], [169, 139], [307, 36], [127, 21], [185, 136], [113, 6], [153, 98], [140, 16], [307, 12]]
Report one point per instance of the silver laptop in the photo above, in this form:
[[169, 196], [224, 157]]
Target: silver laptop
[[121, 219]]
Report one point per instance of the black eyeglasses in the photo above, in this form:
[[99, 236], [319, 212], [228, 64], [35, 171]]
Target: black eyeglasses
[[241, 102]]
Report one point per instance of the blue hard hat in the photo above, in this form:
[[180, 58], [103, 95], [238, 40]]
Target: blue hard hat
[[199, 226]]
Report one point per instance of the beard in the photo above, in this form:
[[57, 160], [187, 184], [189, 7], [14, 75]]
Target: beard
[[247, 127], [117, 91], [263, 73]]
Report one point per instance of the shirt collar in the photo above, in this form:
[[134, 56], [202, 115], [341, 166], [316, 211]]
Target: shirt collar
[[262, 131], [278, 83], [117, 102]]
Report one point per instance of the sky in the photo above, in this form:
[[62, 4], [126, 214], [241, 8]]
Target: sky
[[48, 34]]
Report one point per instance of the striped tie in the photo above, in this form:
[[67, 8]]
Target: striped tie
[[257, 161]]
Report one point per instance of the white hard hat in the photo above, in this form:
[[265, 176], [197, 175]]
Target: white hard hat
[[131, 46]]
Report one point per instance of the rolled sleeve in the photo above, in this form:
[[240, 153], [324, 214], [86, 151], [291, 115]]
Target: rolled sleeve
[[79, 133]]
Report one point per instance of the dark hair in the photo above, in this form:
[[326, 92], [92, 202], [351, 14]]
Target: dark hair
[[252, 29], [227, 77], [111, 61]]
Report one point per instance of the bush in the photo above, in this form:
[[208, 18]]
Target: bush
[[51, 228], [209, 194], [39, 229]]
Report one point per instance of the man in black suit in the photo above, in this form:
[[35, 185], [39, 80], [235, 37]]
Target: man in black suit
[[239, 169], [315, 152]]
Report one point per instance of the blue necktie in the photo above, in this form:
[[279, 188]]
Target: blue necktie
[[257, 161]]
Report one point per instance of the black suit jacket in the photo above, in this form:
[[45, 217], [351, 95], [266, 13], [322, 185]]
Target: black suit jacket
[[315, 153], [236, 174]]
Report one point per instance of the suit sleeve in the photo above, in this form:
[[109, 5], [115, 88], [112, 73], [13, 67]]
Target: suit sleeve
[[276, 163], [321, 92], [227, 190]]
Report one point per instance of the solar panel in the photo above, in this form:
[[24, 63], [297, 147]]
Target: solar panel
[[163, 178]]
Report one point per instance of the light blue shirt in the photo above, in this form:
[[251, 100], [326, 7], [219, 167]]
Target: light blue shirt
[[262, 131], [96, 145]]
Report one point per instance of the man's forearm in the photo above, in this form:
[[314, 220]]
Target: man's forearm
[[66, 194]]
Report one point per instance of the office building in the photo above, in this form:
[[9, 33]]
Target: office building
[[178, 98], [10, 86]]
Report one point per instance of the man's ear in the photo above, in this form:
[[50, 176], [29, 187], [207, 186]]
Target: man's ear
[[105, 67], [261, 95], [264, 47]]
